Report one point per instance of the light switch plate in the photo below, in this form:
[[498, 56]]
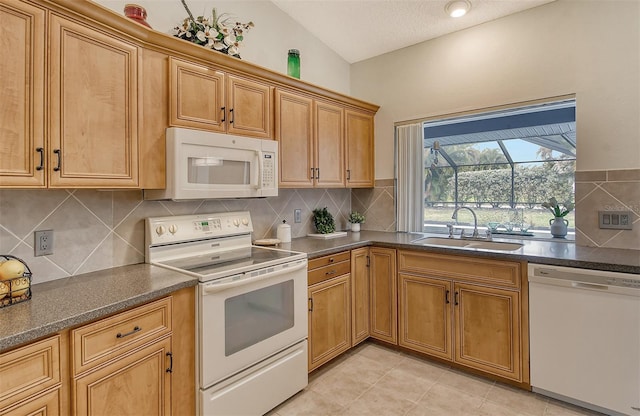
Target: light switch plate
[[617, 220]]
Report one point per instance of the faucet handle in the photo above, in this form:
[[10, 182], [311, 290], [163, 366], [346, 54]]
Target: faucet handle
[[450, 228], [488, 235]]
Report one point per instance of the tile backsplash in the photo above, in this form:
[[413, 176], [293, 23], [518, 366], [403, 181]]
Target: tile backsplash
[[95, 230], [610, 190], [377, 204]]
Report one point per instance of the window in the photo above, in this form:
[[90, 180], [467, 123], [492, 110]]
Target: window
[[502, 164]]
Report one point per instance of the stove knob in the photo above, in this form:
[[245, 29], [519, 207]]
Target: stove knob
[[160, 230], [236, 222], [173, 229], [245, 221]]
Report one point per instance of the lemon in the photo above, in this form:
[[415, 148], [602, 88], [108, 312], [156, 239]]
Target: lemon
[[11, 269]]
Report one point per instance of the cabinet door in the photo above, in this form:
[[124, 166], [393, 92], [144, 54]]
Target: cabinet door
[[425, 315], [487, 329], [22, 84], [47, 404], [93, 108], [329, 320], [360, 152], [137, 384], [329, 145], [294, 118], [359, 295], [250, 107], [383, 294], [196, 96]]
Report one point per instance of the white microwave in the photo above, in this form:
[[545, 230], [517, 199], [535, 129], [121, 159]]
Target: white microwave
[[208, 165]]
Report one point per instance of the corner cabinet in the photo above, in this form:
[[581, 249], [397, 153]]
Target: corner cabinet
[[207, 98], [470, 311], [383, 292]]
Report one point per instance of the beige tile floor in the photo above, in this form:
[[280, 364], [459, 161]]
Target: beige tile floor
[[374, 380]]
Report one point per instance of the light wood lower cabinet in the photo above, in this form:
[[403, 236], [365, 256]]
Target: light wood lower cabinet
[[138, 362], [31, 378], [384, 302], [329, 308], [138, 383], [360, 290], [466, 310]]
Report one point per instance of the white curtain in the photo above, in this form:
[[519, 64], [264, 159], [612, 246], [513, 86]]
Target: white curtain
[[409, 182]]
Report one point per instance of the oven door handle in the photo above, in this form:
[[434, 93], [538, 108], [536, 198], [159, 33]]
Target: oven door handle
[[211, 288]]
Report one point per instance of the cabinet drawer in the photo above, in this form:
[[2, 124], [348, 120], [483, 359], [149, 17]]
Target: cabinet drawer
[[329, 272], [472, 269], [28, 370], [100, 341], [329, 260]]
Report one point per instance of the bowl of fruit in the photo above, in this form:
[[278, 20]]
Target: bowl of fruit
[[15, 280]]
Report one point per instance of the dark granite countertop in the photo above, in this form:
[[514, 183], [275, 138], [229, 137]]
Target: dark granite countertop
[[550, 251], [76, 300]]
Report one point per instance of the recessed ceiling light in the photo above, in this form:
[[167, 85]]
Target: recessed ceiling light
[[457, 8]]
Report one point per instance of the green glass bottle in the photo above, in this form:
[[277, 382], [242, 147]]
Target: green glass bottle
[[293, 63]]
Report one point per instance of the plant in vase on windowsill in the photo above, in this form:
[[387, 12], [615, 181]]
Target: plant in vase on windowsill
[[558, 223], [355, 218]]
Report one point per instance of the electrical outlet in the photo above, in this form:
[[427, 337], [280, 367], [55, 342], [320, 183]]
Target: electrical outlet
[[297, 215], [43, 242], [617, 220]]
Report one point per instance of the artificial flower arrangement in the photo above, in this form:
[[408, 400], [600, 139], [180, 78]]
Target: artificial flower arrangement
[[356, 218], [555, 208], [219, 33]]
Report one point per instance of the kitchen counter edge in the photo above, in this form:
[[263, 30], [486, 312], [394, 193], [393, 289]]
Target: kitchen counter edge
[[73, 301], [550, 252]]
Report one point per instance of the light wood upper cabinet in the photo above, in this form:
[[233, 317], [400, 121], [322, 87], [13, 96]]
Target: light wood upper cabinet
[[294, 124], [197, 96], [311, 136], [360, 162], [22, 82], [384, 302], [329, 145], [359, 295], [206, 98], [93, 107]]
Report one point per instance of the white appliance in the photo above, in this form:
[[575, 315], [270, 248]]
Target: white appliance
[[585, 337], [207, 165], [251, 310]]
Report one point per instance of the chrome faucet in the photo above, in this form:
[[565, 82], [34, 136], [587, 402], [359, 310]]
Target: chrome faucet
[[475, 221]]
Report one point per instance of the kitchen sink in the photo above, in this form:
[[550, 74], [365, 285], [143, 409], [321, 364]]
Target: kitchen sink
[[450, 242], [438, 241]]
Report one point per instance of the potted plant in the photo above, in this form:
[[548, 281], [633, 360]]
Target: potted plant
[[355, 218], [558, 223], [323, 221]]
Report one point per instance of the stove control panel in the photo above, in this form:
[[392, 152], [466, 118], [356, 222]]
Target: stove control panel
[[179, 228]]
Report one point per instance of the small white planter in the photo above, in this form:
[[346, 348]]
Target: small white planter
[[355, 227]]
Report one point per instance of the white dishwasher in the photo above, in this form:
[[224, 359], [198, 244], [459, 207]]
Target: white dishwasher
[[585, 337]]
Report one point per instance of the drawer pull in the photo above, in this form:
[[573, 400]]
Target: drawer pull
[[126, 334], [330, 272], [331, 259], [170, 369]]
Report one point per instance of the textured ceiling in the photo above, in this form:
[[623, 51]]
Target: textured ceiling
[[361, 29]]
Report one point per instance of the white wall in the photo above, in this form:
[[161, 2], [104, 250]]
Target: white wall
[[265, 45], [590, 48]]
